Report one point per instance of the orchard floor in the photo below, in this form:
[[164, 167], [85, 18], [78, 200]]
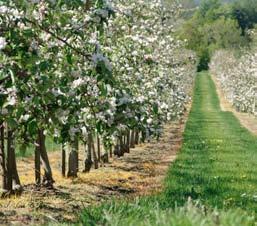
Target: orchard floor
[[135, 174]]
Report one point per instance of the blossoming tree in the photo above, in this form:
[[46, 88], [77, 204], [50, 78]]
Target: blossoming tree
[[238, 79], [87, 72]]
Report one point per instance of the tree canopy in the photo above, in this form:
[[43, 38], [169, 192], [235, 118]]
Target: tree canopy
[[218, 26]]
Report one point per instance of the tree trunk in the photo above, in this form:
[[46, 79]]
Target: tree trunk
[[98, 148], [9, 160], [63, 160], [2, 156], [143, 136], [88, 161], [48, 176], [13, 180], [136, 137], [105, 157], [132, 140], [111, 151], [37, 161], [122, 146], [73, 159], [16, 180], [119, 147], [128, 142], [94, 154], [148, 135]]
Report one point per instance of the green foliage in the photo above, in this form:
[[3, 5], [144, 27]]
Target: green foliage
[[207, 7], [245, 12], [212, 27]]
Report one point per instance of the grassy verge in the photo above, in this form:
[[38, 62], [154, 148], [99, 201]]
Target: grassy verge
[[217, 166]]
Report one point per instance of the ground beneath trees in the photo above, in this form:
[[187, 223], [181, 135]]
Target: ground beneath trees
[[138, 173]]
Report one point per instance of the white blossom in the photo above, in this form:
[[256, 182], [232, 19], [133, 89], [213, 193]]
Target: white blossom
[[3, 43]]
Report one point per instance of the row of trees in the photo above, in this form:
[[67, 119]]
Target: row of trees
[[238, 78], [86, 72]]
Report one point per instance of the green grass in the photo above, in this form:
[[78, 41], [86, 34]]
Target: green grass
[[217, 166], [188, 215]]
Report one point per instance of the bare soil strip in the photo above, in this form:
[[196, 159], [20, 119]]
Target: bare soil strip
[[247, 120], [138, 173]]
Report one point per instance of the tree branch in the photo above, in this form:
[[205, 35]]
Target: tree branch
[[86, 55]]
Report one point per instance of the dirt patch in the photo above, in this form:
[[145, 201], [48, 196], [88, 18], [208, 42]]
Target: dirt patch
[[247, 120], [138, 173]]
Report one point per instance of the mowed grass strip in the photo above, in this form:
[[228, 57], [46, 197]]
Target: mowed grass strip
[[218, 160], [217, 166]]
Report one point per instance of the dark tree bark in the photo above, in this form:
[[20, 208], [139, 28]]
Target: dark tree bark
[[13, 180], [119, 147], [88, 161], [9, 161], [98, 148], [143, 136], [73, 159], [105, 158], [132, 139], [122, 145], [116, 150], [37, 161], [16, 180], [2, 156], [63, 160], [48, 176], [111, 151], [136, 137], [128, 142], [94, 155]]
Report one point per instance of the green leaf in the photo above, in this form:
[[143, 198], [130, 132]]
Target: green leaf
[[155, 108], [20, 112], [44, 65], [103, 89], [69, 58], [12, 123], [32, 127]]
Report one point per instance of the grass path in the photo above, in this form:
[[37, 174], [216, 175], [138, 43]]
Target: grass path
[[218, 161], [216, 165]]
